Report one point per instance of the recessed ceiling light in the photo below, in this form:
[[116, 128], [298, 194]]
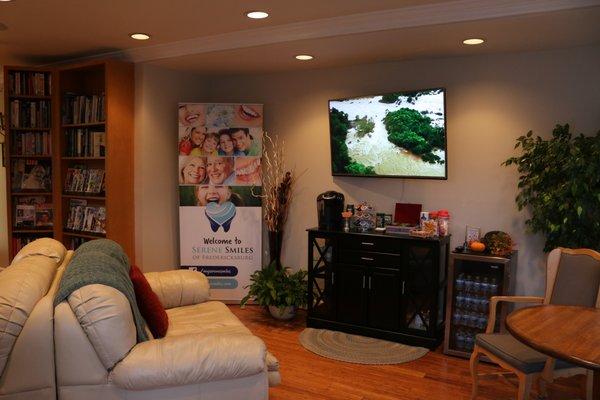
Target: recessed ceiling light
[[304, 57], [257, 14], [140, 36], [473, 41], [5, 1]]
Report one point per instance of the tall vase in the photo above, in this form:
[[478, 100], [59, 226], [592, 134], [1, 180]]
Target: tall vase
[[275, 245]]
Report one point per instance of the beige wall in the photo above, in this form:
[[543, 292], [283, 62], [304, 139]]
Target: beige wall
[[490, 101], [157, 93], [3, 211]]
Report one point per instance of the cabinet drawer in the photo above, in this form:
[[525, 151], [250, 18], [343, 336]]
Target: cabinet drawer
[[370, 243], [370, 258]]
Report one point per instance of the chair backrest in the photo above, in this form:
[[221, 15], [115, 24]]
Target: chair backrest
[[573, 277]]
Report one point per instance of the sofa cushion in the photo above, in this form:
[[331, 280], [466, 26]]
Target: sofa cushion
[[22, 285], [43, 247], [105, 315], [189, 359], [205, 318], [149, 304], [515, 353]]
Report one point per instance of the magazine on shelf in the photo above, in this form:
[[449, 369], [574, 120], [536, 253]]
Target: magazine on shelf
[[76, 210], [83, 180], [44, 215], [31, 175], [24, 216]]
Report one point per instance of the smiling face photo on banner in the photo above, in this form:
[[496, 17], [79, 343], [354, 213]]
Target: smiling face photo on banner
[[220, 177]]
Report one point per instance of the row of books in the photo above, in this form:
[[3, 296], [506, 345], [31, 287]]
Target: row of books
[[75, 242], [84, 180], [29, 114], [81, 109], [85, 143], [30, 216], [28, 174], [31, 144], [86, 218], [18, 242], [27, 83]]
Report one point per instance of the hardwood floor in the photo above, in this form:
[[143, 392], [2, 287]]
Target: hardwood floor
[[433, 377]]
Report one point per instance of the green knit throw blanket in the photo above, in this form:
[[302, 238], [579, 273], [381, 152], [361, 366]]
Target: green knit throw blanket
[[102, 262]]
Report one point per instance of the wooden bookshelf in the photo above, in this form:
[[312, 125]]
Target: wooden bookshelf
[[115, 81], [21, 134]]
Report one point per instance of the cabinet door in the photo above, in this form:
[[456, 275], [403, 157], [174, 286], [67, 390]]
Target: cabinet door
[[385, 293], [321, 293], [419, 302], [351, 283]]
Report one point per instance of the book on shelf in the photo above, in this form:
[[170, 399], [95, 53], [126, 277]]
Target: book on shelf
[[83, 109], [85, 143], [29, 113], [83, 180], [29, 83], [30, 174], [86, 218], [31, 144]]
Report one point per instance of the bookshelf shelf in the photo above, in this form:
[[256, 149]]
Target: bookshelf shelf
[[86, 125], [31, 193], [83, 196], [38, 231], [28, 97], [18, 129], [87, 235], [82, 158], [31, 156]]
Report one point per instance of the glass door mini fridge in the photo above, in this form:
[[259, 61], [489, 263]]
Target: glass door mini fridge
[[473, 278]]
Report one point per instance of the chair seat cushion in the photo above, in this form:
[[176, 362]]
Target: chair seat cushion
[[515, 353]]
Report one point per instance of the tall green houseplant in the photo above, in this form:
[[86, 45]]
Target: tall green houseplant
[[559, 183]]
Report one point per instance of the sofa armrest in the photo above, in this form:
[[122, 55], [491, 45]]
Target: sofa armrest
[[494, 300], [189, 359], [179, 288]]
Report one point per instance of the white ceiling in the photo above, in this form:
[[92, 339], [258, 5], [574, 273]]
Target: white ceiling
[[216, 37]]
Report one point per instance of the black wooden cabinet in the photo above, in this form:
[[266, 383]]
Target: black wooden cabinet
[[386, 286]]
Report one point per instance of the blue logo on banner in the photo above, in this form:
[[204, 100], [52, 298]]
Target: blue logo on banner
[[223, 283]]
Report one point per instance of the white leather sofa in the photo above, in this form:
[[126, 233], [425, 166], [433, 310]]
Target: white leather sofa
[[27, 289], [207, 354]]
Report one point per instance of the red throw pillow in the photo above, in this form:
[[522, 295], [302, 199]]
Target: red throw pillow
[[149, 304]]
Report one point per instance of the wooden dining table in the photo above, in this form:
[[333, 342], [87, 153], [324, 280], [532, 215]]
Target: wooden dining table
[[569, 333]]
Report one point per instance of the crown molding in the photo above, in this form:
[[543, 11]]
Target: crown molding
[[406, 17]]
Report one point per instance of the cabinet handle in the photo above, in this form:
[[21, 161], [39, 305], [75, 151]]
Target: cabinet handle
[[364, 281], [402, 287], [369, 283], [367, 258], [368, 243], [332, 278]]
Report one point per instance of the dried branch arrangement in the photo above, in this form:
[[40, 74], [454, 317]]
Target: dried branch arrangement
[[277, 184]]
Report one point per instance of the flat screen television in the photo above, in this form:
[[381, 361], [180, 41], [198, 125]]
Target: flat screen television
[[401, 134]]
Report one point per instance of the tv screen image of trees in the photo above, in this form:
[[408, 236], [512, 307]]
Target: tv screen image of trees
[[399, 134]]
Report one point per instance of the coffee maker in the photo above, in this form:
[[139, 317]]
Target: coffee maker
[[329, 209]]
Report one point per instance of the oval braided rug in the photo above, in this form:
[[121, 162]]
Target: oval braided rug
[[357, 349]]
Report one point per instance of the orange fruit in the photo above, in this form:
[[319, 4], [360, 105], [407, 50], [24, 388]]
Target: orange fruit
[[477, 246]]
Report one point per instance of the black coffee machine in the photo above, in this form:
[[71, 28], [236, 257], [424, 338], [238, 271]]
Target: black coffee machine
[[329, 209]]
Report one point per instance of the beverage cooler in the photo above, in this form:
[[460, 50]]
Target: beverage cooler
[[473, 279]]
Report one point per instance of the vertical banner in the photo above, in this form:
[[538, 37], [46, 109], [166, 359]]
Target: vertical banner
[[220, 214]]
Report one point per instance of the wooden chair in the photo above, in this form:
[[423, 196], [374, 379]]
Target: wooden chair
[[573, 278]]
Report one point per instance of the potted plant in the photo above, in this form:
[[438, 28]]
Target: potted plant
[[559, 182], [277, 189], [280, 290]]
